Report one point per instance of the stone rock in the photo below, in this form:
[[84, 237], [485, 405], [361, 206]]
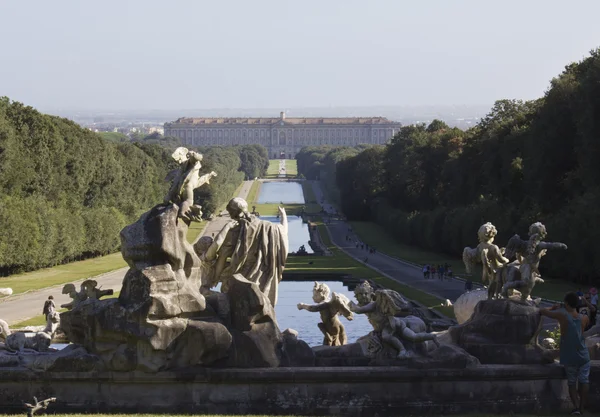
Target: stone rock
[[501, 332], [72, 358], [8, 359], [126, 338], [161, 292], [446, 356], [357, 354], [159, 237], [296, 352], [465, 304], [593, 345], [257, 340], [6, 291]]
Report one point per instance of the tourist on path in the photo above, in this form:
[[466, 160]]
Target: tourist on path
[[49, 307], [574, 355]]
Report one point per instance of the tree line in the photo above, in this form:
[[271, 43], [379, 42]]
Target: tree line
[[65, 192], [433, 186]]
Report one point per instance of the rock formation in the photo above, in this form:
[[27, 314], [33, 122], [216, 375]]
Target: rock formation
[[501, 332]]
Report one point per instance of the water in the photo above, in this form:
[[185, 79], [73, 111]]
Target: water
[[280, 192], [288, 316], [297, 232], [291, 293]]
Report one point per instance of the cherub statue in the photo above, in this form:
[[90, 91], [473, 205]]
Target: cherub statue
[[77, 297], [489, 255], [388, 313], [185, 180], [528, 254], [38, 405], [93, 293], [331, 327]]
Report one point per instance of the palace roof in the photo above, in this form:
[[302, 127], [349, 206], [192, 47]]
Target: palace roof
[[287, 120]]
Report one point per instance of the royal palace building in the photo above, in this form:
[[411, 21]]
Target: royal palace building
[[283, 136]]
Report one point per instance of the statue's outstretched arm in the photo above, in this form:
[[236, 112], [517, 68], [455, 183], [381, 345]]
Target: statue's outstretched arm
[[315, 308], [368, 308], [552, 245]]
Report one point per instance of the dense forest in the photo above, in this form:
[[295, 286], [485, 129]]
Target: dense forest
[[65, 192], [433, 186]]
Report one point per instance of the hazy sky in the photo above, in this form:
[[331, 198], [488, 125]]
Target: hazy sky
[[148, 54]]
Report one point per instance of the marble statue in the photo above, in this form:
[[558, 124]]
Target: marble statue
[[257, 249], [185, 180], [38, 406], [523, 273], [37, 341], [487, 254], [88, 292], [389, 314], [329, 308], [76, 296]]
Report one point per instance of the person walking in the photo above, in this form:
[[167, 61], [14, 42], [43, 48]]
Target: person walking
[[574, 355], [425, 271], [49, 307]]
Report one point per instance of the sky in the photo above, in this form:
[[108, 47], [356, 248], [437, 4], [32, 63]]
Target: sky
[[184, 54]]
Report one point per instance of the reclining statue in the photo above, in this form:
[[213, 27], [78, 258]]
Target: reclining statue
[[37, 341], [331, 327], [389, 314]]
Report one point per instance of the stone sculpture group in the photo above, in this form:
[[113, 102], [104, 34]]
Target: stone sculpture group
[[169, 316], [500, 274]]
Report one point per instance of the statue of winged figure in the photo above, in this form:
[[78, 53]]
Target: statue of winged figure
[[487, 254]]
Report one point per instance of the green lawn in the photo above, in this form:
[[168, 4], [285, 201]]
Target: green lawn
[[376, 236], [273, 170], [309, 194], [291, 167], [253, 193], [63, 274]]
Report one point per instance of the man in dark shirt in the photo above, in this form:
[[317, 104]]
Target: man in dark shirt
[[574, 355]]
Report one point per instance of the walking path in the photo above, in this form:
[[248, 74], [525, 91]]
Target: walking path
[[20, 307], [393, 268]]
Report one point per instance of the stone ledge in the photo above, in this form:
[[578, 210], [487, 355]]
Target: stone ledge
[[357, 392]]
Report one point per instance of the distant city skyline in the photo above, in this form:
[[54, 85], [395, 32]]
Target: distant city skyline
[[141, 55]]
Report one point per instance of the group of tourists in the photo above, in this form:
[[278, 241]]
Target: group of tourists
[[440, 272]]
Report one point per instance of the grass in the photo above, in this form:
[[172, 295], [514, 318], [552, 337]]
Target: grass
[[253, 193], [378, 237], [291, 167], [41, 320], [63, 274]]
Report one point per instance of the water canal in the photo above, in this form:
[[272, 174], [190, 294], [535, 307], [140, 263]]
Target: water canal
[[276, 192], [293, 292]]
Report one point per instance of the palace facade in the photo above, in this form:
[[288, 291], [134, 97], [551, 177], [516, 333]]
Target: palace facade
[[283, 136]]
